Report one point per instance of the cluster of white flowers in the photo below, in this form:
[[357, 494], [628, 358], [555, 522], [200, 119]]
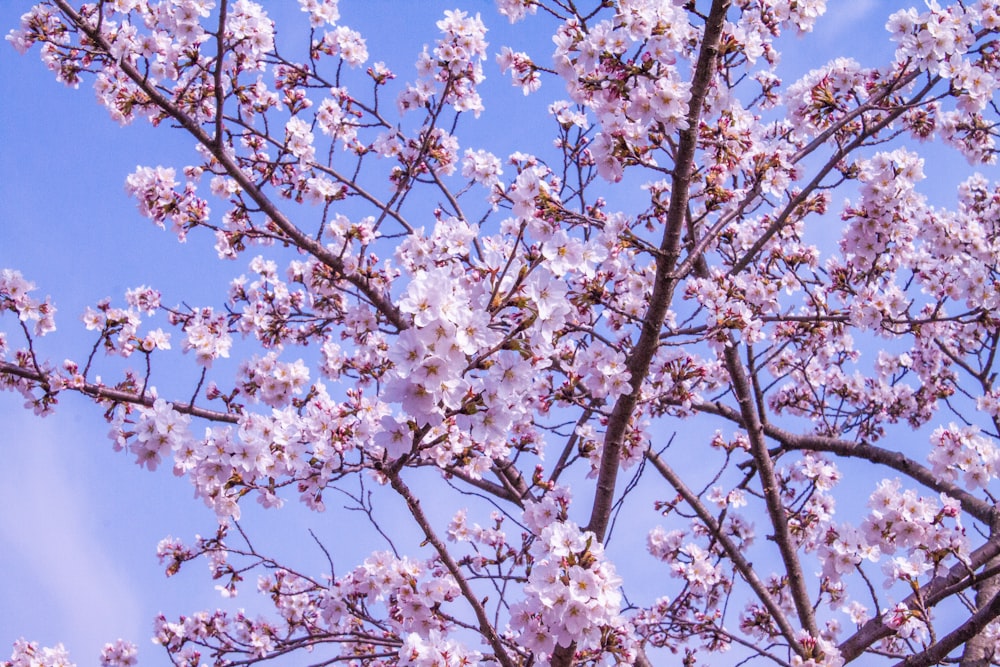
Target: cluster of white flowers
[[572, 594]]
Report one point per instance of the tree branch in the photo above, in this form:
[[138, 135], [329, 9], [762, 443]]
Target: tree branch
[[732, 550], [664, 283], [104, 393], [975, 507], [958, 576], [770, 487], [382, 302], [485, 627], [937, 652]]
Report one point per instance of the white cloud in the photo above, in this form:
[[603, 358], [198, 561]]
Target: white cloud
[[51, 541]]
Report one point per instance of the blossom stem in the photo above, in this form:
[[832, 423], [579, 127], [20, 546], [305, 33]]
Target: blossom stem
[[103, 393]]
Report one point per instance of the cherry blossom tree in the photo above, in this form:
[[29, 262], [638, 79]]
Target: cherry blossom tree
[[650, 298]]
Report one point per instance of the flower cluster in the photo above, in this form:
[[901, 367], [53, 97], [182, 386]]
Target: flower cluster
[[455, 64], [29, 654], [159, 431], [15, 296], [119, 654], [271, 381], [159, 201], [633, 97], [964, 450], [572, 596], [927, 533]]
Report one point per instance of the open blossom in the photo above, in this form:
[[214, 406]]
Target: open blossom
[[300, 139], [15, 295], [348, 44], [572, 594], [516, 10], [252, 32], [823, 653], [321, 12], [119, 654], [272, 381], [482, 167], [160, 430], [154, 188], [522, 71], [395, 438], [435, 650], [14, 289], [909, 623], [964, 450], [208, 336], [455, 61]]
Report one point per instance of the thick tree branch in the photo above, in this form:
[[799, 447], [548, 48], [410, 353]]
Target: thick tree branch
[[937, 652], [664, 283], [771, 489], [980, 650]]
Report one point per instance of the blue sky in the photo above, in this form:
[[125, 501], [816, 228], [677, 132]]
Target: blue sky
[[79, 523]]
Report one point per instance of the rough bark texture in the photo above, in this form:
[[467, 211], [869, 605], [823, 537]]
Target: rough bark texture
[[980, 651]]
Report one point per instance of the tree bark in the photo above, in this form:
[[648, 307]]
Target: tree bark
[[665, 280], [980, 651]]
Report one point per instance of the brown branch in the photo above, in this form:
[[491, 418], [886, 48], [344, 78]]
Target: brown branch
[[663, 283], [220, 54], [975, 507], [872, 104], [733, 551], [980, 649], [485, 627], [492, 488], [104, 393], [938, 651], [771, 489], [382, 302], [958, 576], [841, 153]]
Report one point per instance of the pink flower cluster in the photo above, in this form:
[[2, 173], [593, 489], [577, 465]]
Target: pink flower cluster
[[15, 296], [159, 201], [572, 594], [455, 64]]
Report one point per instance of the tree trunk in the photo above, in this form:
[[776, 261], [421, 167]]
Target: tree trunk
[[981, 651]]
